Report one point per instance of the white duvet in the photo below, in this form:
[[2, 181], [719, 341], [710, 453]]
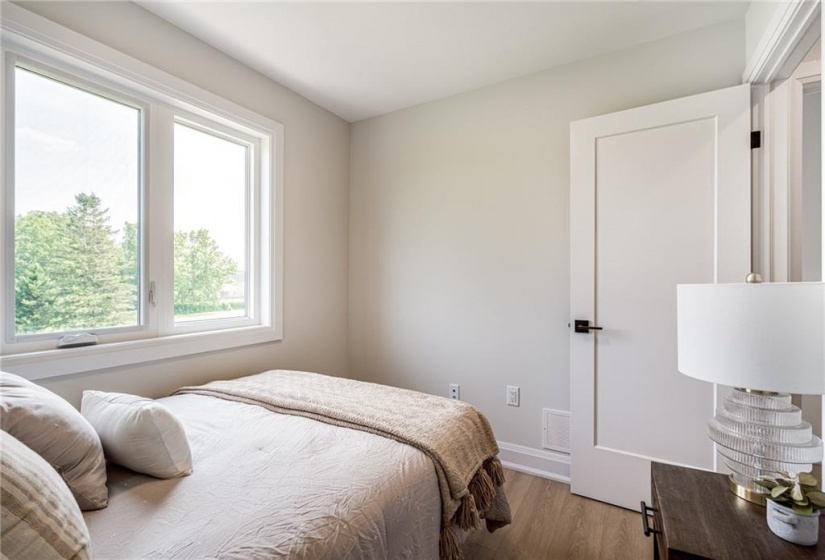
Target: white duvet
[[266, 485]]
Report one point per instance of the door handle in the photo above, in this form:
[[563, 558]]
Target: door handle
[[647, 510], [583, 326]]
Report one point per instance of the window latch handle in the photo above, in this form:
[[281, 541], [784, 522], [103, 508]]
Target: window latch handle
[[152, 293]]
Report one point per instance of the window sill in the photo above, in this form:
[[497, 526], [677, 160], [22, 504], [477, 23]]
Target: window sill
[[54, 363]]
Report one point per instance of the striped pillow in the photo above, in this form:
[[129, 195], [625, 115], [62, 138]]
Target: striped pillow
[[54, 429], [40, 517]]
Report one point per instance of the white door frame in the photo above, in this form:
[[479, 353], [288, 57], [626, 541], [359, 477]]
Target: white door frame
[[806, 78], [791, 33], [778, 80], [796, 27]]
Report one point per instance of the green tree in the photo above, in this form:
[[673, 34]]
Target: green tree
[[38, 261], [96, 294], [72, 272], [201, 270]]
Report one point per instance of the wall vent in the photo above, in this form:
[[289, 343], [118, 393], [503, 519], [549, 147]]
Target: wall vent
[[555, 430]]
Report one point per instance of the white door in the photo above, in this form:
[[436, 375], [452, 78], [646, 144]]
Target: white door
[[660, 195]]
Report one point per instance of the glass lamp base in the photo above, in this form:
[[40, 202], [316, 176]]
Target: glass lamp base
[[761, 434]]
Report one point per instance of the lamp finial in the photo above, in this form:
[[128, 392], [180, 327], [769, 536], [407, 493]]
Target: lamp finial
[[753, 278]]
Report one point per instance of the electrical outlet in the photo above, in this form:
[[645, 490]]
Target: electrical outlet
[[455, 391], [513, 396]]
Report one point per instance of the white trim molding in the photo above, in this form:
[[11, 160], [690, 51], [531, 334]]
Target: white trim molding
[[806, 78], [776, 173], [792, 32], [538, 462]]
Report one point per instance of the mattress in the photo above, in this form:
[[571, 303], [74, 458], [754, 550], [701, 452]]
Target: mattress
[[267, 485]]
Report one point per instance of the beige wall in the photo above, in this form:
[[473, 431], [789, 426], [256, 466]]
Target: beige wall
[[459, 237], [315, 204]]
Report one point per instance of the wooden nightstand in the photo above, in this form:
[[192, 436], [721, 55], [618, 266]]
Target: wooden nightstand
[[695, 516]]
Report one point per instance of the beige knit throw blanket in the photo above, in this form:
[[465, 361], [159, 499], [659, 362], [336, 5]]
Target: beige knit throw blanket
[[456, 436]]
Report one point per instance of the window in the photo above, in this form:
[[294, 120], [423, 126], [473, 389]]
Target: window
[[144, 211], [76, 190], [212, 182]]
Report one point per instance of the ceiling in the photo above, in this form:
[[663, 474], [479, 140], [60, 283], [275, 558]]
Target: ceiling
[[360, 60]]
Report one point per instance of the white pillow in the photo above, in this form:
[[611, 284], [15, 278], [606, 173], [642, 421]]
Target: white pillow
[[138, 433], [55, 430]]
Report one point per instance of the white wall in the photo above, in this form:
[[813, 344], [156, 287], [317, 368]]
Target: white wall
[[459, 237], [315, 204]]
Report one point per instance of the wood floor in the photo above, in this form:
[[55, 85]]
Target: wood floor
[[551, 523]]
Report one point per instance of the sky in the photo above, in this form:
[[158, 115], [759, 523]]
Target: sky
[[69, 141]]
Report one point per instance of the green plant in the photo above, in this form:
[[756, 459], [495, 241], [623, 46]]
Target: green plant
[[796, 490]]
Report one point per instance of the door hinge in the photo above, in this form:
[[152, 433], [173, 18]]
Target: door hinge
[[756, 139], [152, 293]]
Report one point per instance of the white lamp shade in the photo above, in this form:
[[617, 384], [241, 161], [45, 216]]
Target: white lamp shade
[[768, 337]]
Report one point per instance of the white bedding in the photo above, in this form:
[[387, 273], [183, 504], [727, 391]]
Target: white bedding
[[266, 485]]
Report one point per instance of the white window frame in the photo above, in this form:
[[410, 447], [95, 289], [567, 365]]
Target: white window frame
[[167, 325], [99, 68], [11, 61]]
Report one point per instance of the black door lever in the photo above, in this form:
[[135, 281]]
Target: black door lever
[[583, 326]]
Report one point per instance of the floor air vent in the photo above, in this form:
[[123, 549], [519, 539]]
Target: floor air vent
[[555, 430]]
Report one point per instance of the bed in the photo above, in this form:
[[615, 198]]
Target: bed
[[269, 484], [282, 493]]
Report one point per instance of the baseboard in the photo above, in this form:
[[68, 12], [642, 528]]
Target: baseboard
[[538, 462]]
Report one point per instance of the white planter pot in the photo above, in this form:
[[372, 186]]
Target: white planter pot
[[791, 526]]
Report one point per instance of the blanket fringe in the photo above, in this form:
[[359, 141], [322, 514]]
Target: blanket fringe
[[467, 515], [448, 546], [482, 489], [495, 470]]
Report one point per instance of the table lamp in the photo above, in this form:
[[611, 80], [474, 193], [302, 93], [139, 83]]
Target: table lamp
[[766, 341]]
